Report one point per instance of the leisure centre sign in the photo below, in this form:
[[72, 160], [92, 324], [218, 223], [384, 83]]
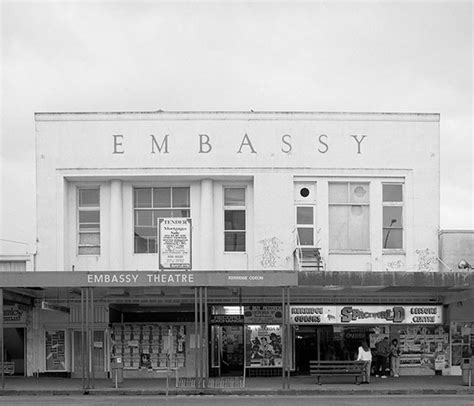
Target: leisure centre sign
[[315, 314]]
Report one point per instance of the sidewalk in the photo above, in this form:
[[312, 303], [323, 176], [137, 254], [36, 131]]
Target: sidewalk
[[300, 385]]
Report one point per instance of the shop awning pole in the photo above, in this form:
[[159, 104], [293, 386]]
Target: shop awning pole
[[206, 341], [195, 338], [283, 339], [2, 356], [92, 335], [83, 361], [201, 341], [288, 341], [88, 372]]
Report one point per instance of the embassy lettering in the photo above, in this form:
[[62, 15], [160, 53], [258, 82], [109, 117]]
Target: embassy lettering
[[132, 278], [204, 145]]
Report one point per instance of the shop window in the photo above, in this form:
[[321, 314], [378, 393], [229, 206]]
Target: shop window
[[392, 216], [305, 225], [349, 216], [234, 220], [89, 221], [150, 204]]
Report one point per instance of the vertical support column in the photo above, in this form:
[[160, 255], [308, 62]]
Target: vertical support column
[[92, 334], [196, 345], [83, 360], [206, 339], [201, 341], [288, 341], [206, 260], [2, 355], [115, 226], [283, 338], [88, 371]]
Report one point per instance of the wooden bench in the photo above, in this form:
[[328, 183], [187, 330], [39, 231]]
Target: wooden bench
[[337, 368]]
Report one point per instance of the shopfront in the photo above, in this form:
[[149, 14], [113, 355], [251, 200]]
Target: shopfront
[[247, 340], [15, 322], [335, 333]]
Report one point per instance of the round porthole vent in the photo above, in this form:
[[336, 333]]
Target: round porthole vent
[[304, 192]]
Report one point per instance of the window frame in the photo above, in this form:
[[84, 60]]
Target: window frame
[[349, 204], [80, 209], [312, 225], [152, 209], [400, 204], [235, 208]]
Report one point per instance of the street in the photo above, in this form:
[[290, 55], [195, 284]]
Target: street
[[396, 400]]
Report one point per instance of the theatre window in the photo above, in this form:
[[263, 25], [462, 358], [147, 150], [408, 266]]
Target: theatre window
[[88, 214], [305, 225], [392, 216], [149, 205], [234, 220], [349, 216]]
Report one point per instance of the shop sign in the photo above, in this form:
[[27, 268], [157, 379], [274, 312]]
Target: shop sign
[[172, 278], [355, 314], [174, 237], [226, 319], [262, 315], [13, 314], [313, 314]]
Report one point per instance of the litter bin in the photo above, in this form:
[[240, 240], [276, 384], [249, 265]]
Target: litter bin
[[117, 371], [467, 369]]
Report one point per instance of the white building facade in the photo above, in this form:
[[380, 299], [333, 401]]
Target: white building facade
[[346, 181], [340, 209]]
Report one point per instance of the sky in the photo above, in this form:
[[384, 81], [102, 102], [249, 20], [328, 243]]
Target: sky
[[373, 56]]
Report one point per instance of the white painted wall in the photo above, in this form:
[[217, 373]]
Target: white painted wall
[[78, 149]]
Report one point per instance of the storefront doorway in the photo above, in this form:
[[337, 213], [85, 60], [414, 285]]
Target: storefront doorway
[[227, 356], [98, 354], [314, 343], [14, 345]]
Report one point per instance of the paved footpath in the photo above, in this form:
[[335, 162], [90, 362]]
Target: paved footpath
[[419, 385], [262, 400]]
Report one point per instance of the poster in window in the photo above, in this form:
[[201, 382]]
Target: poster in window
[[264, 348], [174, 236], [55, 350]]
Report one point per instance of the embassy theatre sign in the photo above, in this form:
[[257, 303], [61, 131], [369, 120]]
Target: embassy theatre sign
[[148, 279]]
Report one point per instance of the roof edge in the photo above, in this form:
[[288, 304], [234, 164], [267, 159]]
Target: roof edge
[[236, 115]]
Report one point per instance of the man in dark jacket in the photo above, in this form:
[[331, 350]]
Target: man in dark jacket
[[382, 352]]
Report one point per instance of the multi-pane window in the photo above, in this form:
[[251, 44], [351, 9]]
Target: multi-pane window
[[88, 221], [151, 204], [234, 219], [305, 225], [349, 216], [392, 216]]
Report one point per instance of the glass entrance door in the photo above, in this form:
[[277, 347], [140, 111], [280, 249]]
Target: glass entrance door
[[227, 352]]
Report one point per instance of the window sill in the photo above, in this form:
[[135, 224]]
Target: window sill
[[349, 252], [393, 252], [234, 252]]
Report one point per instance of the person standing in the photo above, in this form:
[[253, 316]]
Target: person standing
[[382, 352], [365, 355], [395, 358]]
